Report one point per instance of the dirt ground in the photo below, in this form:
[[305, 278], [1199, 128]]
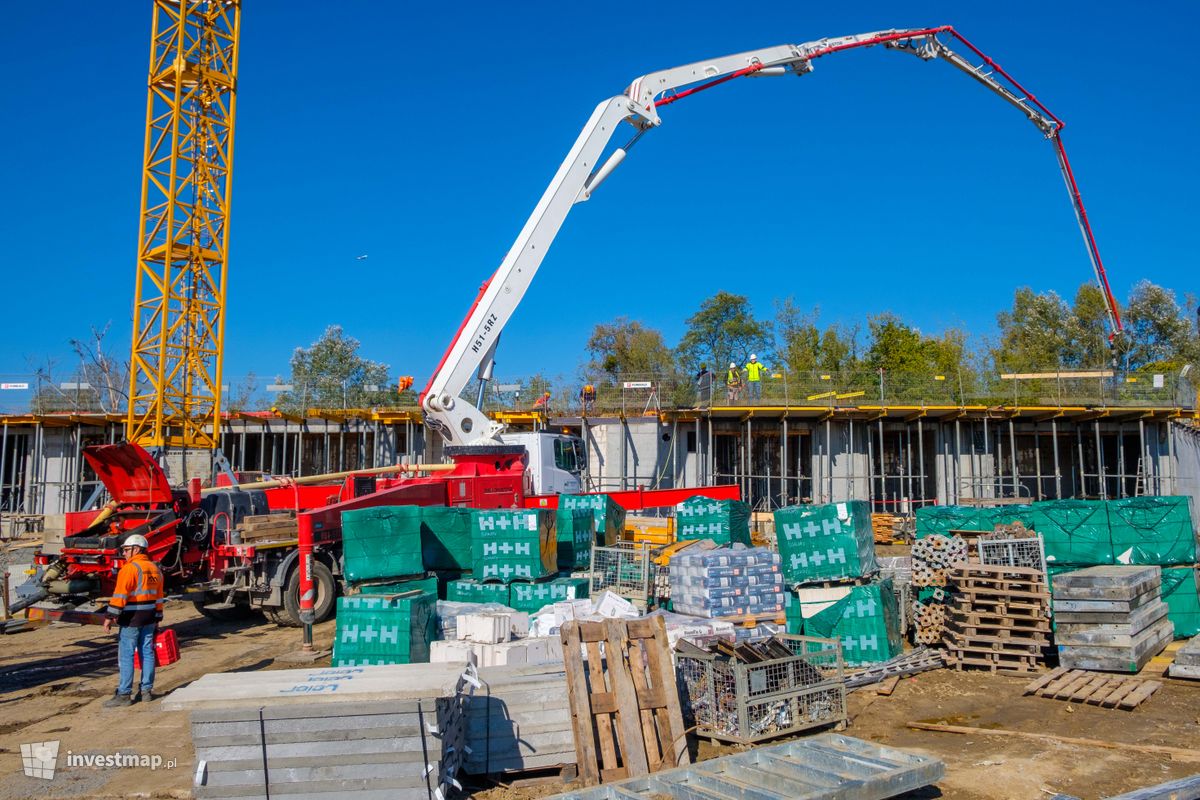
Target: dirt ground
[[54, 679]]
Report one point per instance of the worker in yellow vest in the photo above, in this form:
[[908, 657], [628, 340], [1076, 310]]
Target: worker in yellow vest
[[733, 382], [754, 378]]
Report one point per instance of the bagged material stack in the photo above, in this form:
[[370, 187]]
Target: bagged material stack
[[1074, 532], [727, 582], [610, 517], [378, 629], [575, 530], [531, 597], [826, 542], [513, 545], [1110, 618], [446, 538], [722, 521], [1152, 530], [865, 618], [382, 542], [1179, 592], [467, 590]]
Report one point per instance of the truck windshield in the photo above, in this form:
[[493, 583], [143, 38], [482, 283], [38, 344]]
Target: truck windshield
[[566, 455]]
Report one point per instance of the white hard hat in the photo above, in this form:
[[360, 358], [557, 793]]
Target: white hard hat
[[732, 365], [137, 540], [753, 357]]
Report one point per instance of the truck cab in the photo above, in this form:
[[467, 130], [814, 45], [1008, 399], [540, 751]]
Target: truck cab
[[556, 461]]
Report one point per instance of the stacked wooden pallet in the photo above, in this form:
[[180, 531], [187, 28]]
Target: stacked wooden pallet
[[1187, 660], [999, 618], [1080, 686], [1110, 618], [520, 719], [888, 528], [279, 526]]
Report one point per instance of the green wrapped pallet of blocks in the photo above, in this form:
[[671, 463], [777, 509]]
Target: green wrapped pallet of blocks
[[610, 517], [376, 629], [944, 519], [531, 597], [1180, 593], [1074, 532], [446, 537], [722, 521], [429, 584], [791, 610], [866, 620], [826, 542], [466, 590], [1152, 530], [512, 545], [575, 529], [382, 542]]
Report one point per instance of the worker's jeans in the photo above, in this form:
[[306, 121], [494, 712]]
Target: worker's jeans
[[131, 640], [755, 390]]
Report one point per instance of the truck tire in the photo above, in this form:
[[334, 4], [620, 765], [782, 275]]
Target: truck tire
[[323, 582]]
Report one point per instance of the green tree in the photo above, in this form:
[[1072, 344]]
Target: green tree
[[1087, 331], [626, 347], [724, 330], [803, 346], [330, 373], [1035, 334], [1160, 332], [896, 346]]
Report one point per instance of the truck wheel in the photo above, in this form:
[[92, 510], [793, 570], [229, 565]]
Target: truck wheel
[[326, 588]]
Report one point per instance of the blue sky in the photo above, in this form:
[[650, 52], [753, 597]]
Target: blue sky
[[424, 136]]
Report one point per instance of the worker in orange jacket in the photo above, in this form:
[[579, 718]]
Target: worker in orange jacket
[[137, 607]]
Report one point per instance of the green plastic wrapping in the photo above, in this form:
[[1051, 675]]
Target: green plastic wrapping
[[466, 590], [575, 529], [1075, 532], [1152, 530], [722, 521], [1183, 600], [610, 517], [429, 584], [867, 621], [382, 542], [446, 537], [826, 542], [943, 519], [512, 545], [373, 629], [531, 597], [791, 609]]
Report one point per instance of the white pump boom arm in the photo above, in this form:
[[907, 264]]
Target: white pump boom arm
[[472, 351]]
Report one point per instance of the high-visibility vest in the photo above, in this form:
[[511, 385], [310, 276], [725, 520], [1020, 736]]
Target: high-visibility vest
[[754, 370], [734, 378], [139, 589]]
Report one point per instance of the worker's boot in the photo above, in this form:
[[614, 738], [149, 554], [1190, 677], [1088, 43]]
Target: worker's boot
[[146, 695], [118, 701]]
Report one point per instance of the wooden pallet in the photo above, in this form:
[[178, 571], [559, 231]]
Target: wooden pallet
[[999, 619], [887, 528], [1093, 688], [624, 704], [281, 525]]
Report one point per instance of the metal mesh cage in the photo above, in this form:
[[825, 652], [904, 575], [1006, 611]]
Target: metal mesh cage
[[747, 703], [1029, 551], [624, 569]]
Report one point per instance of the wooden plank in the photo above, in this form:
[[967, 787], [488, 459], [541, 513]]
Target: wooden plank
[[645, 711], [1142, 693], [1119, 694], [581, 713], [662, 674], [887, 686], [1074, 686], [1179, 753], [629, 734], [602, 721], [1045, 680], [1089, 688]]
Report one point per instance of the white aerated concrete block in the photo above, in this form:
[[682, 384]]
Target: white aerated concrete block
[[450, 651], [491, 627]]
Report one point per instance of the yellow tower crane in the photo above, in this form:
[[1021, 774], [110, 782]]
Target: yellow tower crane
[[183, 236]]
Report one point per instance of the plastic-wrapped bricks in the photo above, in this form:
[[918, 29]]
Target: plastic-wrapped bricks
[[738, 581]]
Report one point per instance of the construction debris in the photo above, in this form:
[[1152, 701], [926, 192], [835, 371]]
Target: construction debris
[[1081, 686], [825, 767], [1110, 618], [921, 659], [624, 704], [999, 618]]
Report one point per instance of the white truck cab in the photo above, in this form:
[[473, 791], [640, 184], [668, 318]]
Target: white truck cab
[[556, 461]]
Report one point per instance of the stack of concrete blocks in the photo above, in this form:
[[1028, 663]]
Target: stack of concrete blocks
[[519, 719], [1110, 618], [393, 731], [1187, 661], [496, 638]]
